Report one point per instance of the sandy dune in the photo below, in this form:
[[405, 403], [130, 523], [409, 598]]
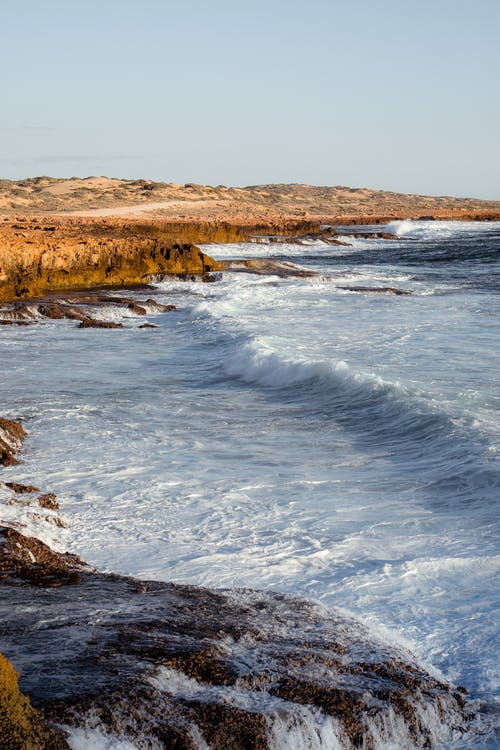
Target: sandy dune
[[108, 197]]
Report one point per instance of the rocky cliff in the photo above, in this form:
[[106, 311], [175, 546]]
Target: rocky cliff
[[37, 256]]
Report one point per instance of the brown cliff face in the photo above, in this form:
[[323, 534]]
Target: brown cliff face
[[37, 256]]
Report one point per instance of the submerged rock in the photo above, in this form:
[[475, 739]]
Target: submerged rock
[[14, 323], [58, 311], [375, 289], [21, 489], [93, 323], [173, 666], [48, 501]]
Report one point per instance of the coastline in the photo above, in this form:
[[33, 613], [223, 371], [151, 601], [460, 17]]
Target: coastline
[[50, 253], [84, 249], [182, 665]]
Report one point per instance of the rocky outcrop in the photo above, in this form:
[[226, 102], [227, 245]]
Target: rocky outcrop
[[166, 665], [21, 727], [91, 254], [64, 308], [266, 266], [93, 323], [12, 435], [28, 560]]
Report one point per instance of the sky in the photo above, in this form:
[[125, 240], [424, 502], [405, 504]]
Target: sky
[[400, 95]]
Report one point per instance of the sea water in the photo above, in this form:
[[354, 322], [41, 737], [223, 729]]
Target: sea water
[[291, 434]]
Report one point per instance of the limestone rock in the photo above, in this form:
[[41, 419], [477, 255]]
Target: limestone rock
[[21, 727]]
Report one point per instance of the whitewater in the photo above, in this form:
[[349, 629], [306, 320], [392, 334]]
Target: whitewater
[[287, 434]]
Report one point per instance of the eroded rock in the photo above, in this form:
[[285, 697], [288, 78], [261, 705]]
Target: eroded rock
[[59, 311], [48, 501], [21, 489], [136, 309], [26, 559], [93, 323], [12, 435], [180, 665]]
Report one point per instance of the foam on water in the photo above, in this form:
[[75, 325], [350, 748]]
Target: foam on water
[[82, 738], [282, 433], [436, 230]]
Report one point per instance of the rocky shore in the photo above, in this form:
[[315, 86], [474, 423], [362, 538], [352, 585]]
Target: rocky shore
[[163, 665], [39, 255]]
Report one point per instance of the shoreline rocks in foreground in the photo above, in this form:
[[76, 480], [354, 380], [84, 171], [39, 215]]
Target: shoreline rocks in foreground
[[163, 665], [166, 665]]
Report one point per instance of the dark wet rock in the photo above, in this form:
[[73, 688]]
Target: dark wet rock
[[265, 266], [28, 560], [226, 727], [48, 501], [148, 325], [93, 323], [22, 727], [158, 306], [136, 309], [18, 312], [330, 241], [12, 435], [366, 235], [375, 289], [211, 277], [21, 489], [14, 323], [59, 311], [177, 665]]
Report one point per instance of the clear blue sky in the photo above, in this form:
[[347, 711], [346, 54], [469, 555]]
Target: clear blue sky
[[398, 94]]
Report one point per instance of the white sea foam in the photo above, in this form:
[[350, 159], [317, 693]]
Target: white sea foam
[[279, 433], [81, 738], [438, 229]]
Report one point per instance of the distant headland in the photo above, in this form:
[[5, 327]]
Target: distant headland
[[58, 234]]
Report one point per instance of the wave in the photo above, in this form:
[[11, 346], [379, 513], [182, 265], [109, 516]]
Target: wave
[[438, 229], [448, 454]]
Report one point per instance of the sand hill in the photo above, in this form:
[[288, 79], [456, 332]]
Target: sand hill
[[104, 196]]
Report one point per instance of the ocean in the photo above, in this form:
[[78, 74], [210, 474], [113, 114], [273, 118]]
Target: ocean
[[293, 435]]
